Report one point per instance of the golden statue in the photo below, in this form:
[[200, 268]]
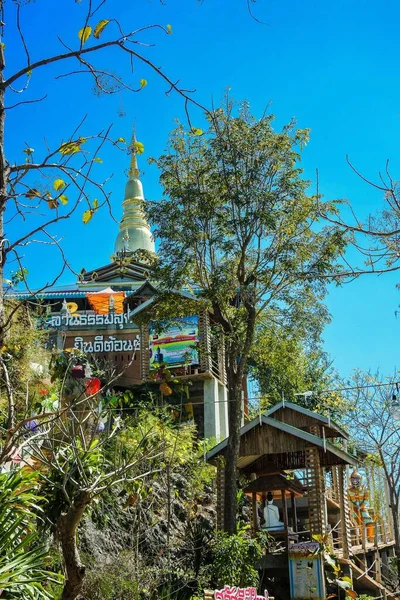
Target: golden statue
[[358, 497]]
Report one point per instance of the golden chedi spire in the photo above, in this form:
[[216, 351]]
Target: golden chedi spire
[[134, 231]]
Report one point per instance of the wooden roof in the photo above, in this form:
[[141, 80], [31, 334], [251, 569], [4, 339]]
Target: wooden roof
[[130, 271], [301, 417], [264, 438], [270, 483]]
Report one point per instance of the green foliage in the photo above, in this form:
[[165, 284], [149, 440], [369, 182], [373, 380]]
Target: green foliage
[[18, 276], [113, 581], [74, 467], [235, 559], [332, 567], [23, 346], [178, 443], [161, 515], [282, 362], [240, 228], [236, 192], [22, 556]]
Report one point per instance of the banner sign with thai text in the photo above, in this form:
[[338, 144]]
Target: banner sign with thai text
[[88, 320], [101, 344]]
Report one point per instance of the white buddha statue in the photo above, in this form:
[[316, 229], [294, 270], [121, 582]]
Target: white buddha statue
[[271, 515]]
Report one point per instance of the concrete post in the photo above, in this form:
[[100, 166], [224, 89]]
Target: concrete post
[[211, 409], [223, 411]]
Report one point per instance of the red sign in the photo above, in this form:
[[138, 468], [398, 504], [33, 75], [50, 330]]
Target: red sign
[[236, 593]]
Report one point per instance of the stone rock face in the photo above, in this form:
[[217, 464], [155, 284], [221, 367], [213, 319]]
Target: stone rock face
[[145, 527]]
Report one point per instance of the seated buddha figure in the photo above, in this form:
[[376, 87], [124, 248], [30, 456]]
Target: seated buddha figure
[[271, 515]]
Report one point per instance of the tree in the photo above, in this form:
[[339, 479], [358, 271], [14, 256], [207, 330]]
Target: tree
[[240, 227], [80, 455], [373, 424]]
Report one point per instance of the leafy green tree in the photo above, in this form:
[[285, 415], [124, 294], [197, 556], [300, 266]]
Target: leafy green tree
[[240, 227], [82, 453]]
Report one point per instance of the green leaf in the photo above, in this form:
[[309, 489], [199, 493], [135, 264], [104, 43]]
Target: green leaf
[[84, 34], [121, 140], [63, 199], [169, 28], [28, 151], [98, 159], [59, 184], [138, 147], [197, 131], [87, 215], [95, 203], [98, 30], [143, 83]]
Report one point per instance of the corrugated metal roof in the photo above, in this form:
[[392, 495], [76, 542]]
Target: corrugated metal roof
[[56, 295]]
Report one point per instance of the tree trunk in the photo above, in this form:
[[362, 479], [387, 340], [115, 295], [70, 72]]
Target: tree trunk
[[232, 453], [395, 514], [3, 190], [236, 362], [66, 530]]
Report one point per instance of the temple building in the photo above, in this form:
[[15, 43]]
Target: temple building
[[99, 315]]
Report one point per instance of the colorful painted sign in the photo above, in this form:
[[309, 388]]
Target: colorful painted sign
[[236, 593], [306, 572], [176, 344]]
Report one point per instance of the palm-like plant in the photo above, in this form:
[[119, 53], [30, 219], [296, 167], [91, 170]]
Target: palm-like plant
[[22, 557]]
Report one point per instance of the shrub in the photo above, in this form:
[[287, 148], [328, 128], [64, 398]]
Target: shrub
[[235, 559], [113, 581]]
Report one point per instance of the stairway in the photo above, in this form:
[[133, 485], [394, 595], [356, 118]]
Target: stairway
[[364, 581]]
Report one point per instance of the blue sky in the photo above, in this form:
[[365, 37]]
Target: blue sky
[[332, 65]]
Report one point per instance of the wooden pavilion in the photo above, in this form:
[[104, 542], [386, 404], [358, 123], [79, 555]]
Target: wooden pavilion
[[300, 457]]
